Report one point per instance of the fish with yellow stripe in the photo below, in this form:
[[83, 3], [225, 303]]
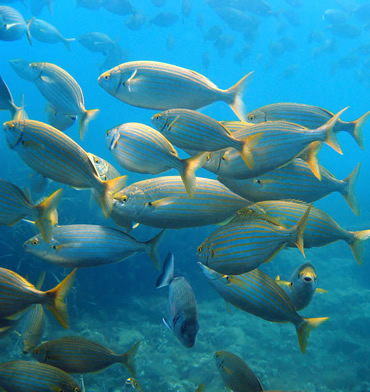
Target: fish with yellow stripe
[[17, 294], [279, 144], [249, 240], [256, 293], [132, 385], [163, 202], [105, 170], [60, 89], [75, 354], [27, 376], [90, 245], [16, 205], [162, 86], [321, 229], [53, 154], [188, 129], [295, 181], [142, 149], [309, 116]]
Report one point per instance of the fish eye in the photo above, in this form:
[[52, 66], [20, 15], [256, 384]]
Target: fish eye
[[307, 279], [157, 116], [96, 160], [36, 350], [200, 248], [108, 132], [35, 241], [106, 76], [73, 118], [251, 117], [257, 181], [124, 198], [33, 65]]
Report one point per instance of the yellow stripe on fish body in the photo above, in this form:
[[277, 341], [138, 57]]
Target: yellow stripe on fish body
[[27, 376], [56, 156], [75, 354], [33, 324], [189, 129], [163, 202], [90, 245], [258, 294], [62, 91], [321, 229], [155, 85], [309, 116], [295, 181], [142, 149], [247, 242], [279, 144]]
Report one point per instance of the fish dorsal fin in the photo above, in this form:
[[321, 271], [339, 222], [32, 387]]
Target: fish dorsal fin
[[166, 324]]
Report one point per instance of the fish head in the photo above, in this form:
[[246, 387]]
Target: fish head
[[305, 275], [256, 116], [129, 203], [220, 359], [111, 81], [22, 68], [131, 385], [214, 160], [35, 70], [100, 164], [160, 121], [112, 137], [14, 133], [186, 330], [203, 252], [39, 247]]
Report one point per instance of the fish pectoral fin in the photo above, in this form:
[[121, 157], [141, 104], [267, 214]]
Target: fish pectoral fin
[[130, 79], [32, 144], [173, 122], [227, 370], [163, 202], [166, 324], [321, 291], [17, 315], [68, 245], [46, 79]]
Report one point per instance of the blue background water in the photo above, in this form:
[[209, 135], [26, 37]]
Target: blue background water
[[118, 304]]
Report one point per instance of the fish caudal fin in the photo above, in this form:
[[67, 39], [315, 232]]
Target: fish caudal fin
[[348, 191], [167, 273], [304, 329], [357, 245], [48, 214], [57, 295], [28, 31], [152, 249], [105, 197], [236, 94], [356, 131], [299, 229], [190, 166], [85, 118], [67, 41], [247, 146], [330, 136], [128, 359], [312, 160]]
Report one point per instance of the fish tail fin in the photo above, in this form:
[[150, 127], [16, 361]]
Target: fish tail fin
[[28, 31], [48, 214], [128, 359], [57, 306], [190, 166], [86, 117], [167, 273], [330, 136], [304, 329], [356, 131], [247, 146], [348, 190], [105, 198], [236, 93], [357, 245], [312, 160], [298, 229], [153, 249], [67, 41]]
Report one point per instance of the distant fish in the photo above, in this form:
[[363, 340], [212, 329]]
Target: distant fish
[[136, 21], [165, 19], [182, 307], [39, 377], [258, 294], [90, 4], [248, 241], [335, 16], [13, 25], [6, 99], [62, 91], [97, 42], [105, 169], [90, 245], [75, 354], [301, 286], [295, 181], [309, 116], [154, 85], [56, 156], [345, 30], [17, 294], [142, 149], [132, 385], [16, 205], [36, 6], [119, 7], [58, 119], [38, 183], [163, 202]]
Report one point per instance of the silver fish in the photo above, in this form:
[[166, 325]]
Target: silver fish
[[58, 119], [12, 25]]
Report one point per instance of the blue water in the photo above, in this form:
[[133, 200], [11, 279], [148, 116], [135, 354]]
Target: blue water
[[118, 304]]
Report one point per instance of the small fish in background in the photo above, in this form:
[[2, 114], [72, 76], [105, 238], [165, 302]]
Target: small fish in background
[[40, 377], [345, 30], [132, 385], [213, 33], [170, 43], [12, 25], [38, 183], [90, 4], [141, 149], [186, 8], [37, 6], [58, 119], [256, 293], [83, 246], [238, 20], [75, 354], [223, 43], [118, 7], [182, 307], [17, 294], [164, 19], [335, 16], [105, 169], [159, 3], [330, 46], [60, 89], [136, 20], [155, 85], [345, 63], [97, 42], [362, 12], [6, 99], [47, 33], [301, 286]]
